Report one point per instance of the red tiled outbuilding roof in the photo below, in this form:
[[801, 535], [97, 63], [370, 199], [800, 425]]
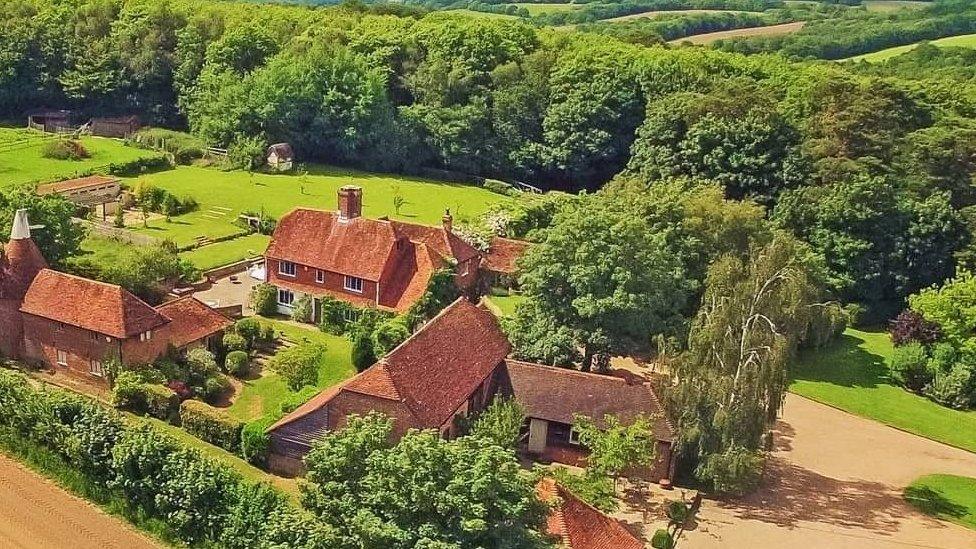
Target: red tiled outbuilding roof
[[104, 308], [434, 371], [580, 525], [503, 254], [558, 394], [192, 320], [74, 184], [438, 368]]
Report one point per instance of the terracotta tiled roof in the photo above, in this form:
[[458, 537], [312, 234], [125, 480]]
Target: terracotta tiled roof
[[410, 277], [503, 254], [357, 247], [72, 184], [439, 366], [104, 308], [191, 320], [375, 381], [434, 371], [557, 394], [401, 256], [21, 262], [444, 243], [580, 525]]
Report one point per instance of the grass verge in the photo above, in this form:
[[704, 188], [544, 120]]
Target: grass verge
[[852, 374], [947, 497]]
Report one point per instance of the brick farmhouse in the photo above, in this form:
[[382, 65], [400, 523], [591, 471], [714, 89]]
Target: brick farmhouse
[[377, 263], [73, 324], [453, 367]]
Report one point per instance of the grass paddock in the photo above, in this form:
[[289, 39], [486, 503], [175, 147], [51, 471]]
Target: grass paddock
[[852, 374], [947, 497]]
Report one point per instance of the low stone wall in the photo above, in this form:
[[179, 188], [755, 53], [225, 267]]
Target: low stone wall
[[227, 270]]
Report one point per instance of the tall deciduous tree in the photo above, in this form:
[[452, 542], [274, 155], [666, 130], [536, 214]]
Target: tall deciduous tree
[[600, 282], [57, 236], [730, 384]]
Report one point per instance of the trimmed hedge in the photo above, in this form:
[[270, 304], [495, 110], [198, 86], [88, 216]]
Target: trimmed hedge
[[161, 402], [255, 443], [211, 425], [139, 166], [197, 500]]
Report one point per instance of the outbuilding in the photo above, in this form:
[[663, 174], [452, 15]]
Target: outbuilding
[[280, 157]]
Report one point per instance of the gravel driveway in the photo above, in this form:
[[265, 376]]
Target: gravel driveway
[[835, 481]]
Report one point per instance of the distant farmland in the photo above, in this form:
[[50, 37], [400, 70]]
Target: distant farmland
[[650, 14], [962, 41], [771, 30]]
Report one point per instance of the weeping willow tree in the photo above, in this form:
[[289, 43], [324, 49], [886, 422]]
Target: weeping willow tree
[[730, 384]]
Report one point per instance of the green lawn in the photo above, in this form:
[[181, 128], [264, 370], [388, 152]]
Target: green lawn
[[948, 497], [21, 162], [227, 251], [506, 303], [852, 375], [265, 394], [224, 195], [962, 41]]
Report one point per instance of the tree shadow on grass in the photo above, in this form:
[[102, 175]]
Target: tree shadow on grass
[[933, 503], [791, 494], [845, 363]]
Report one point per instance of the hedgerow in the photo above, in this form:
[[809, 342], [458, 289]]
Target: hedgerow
[[153, 475], [210, 424]]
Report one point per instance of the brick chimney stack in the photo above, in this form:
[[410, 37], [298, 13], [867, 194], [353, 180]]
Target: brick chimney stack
[[350, 202], [448, 220]]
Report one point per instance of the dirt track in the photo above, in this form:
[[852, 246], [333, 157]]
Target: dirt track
[[835, 481], [36, 514]]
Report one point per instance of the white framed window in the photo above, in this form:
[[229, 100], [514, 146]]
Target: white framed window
[[319, 276], [350, 315], [95, 368], [574, 437], [285, 297], [146, 336], [353, 284], [286, 268], [62, 358]]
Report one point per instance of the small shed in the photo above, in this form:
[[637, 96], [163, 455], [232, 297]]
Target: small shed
[[280, 157], [118, 126], [98, 192], [49, 120]]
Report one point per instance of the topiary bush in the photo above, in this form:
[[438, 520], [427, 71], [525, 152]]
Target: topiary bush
[[234, 342], [363, 353], [210, 424], [237, 363], [388, 335], [299, 365]]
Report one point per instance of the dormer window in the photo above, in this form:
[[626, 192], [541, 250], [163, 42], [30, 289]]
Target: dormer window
[[353, 284], [286, 268]]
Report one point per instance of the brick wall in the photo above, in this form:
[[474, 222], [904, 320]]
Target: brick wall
[[11, 328], [43, 339], [334, 282]]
